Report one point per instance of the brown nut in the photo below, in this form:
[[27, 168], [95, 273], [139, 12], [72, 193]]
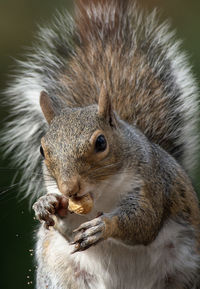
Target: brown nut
[[81, 206]]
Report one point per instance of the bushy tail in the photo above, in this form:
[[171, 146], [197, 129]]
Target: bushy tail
[[152, 86], [149, 79]]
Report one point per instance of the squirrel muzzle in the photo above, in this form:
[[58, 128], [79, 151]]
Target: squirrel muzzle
[[70, 188], [77, 204]]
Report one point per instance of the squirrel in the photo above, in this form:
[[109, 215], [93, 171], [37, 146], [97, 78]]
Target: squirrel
[[114, 103]]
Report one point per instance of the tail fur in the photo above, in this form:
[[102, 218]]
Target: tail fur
[[149, 80]]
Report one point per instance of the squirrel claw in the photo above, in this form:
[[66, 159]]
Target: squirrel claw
[[49, 223], [88, 225], [88, 234]]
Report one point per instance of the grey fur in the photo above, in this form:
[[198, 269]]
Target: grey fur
[[46, 63]]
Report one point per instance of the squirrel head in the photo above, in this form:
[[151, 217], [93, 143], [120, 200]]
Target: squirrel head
[[81, 146]]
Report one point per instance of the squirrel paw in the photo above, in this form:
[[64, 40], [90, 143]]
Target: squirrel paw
[[89, 234], [49, 205]]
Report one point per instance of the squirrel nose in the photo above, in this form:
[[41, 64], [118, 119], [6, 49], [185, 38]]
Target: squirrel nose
[[69, 188]]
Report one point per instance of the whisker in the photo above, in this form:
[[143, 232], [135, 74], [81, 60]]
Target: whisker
[[8, 188], [104, 171], [8, 169], [105, 166]]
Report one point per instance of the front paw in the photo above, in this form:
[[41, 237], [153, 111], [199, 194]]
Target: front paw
[[49, 205], [90, 233]]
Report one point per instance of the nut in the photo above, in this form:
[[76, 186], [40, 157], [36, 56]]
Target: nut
[[82, 205]]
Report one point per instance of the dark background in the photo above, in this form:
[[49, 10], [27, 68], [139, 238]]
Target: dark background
[[18, 23]]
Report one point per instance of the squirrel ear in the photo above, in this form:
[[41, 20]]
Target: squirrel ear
[[104, 106], [46, 106]]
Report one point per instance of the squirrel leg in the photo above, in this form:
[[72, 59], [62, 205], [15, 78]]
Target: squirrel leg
[[49, 205], [124, 223]]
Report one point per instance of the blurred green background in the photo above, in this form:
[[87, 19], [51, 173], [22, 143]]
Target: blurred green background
[[18, 23]]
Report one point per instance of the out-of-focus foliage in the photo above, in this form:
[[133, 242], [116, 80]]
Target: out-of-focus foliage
[[18, 22]]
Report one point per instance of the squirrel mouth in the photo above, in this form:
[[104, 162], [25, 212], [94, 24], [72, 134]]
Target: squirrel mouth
[[81, 205]]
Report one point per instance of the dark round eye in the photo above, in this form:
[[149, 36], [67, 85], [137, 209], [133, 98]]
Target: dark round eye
[[42, 151], [100, 144]]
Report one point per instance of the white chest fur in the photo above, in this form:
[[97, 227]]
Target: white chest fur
[[111, 265], [144, 267]]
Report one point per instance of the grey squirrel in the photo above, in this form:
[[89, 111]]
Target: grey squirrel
[[113, 102]]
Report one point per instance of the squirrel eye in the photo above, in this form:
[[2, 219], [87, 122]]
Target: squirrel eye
[[42, 152], [100, 144]]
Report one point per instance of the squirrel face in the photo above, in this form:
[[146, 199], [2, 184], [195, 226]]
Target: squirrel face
[[79, 148]]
